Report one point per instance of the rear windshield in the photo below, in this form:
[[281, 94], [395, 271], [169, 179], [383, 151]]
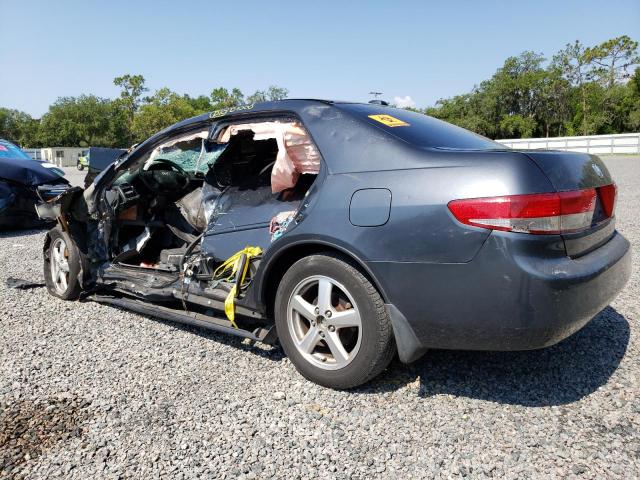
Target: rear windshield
[[9, 150], [420, 130]]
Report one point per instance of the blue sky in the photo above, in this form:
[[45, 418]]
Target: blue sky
[[328, 49]]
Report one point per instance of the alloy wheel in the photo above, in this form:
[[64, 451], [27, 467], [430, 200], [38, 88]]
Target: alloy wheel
[[324, 322], [59, 262]]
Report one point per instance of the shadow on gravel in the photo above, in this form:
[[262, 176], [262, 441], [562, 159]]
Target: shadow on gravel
[[274, 353], [12, 233], [556, 375]]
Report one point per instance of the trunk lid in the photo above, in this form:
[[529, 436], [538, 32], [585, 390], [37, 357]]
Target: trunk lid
[[569, 171]]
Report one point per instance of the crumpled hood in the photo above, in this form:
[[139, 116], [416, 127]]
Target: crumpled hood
[[28, 172]]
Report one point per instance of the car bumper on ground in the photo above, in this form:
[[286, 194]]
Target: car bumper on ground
[[511, 296]]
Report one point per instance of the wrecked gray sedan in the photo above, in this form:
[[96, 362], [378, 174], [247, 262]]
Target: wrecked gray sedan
[[345, 231]]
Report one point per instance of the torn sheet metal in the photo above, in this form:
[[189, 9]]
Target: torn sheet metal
[[242, 217], [279, 224], [192, 209], [136, 244], [19, 203]]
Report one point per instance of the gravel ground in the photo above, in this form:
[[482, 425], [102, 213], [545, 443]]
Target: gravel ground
[[75, 176], [90, 391]]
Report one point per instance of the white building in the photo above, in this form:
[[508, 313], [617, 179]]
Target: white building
[[34, 153], [61, 156]]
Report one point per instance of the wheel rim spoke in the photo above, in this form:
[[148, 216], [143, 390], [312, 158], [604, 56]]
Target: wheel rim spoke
[[62, 279], [325, 287], [337, 349], [347, 318], [310, 340], [303, 307]]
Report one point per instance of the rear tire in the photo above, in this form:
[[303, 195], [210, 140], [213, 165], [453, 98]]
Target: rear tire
[[62, 266], [332, 323]]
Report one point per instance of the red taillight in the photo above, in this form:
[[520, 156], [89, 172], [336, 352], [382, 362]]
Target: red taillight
[[608, 195], [538, 213]]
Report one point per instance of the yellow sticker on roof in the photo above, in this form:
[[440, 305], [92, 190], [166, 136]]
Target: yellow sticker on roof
[[389, 121]]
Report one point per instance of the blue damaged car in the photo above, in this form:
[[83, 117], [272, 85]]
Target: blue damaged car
[[24, 182]]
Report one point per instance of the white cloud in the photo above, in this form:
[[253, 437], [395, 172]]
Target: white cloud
[[404, 102]]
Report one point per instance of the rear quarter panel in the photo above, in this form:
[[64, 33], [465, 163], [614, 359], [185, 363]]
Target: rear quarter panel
[[420, 227]]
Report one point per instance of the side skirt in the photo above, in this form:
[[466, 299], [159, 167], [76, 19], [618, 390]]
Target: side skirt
[[264, 335]]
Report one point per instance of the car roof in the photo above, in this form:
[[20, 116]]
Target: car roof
[[292, 104]]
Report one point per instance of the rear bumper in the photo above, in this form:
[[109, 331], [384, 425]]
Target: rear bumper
[[511, 296]]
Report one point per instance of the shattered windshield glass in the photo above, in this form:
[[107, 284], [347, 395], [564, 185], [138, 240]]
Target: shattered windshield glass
[[193, 152]]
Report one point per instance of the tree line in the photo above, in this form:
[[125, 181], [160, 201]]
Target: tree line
[[581, 91], [88, 120]]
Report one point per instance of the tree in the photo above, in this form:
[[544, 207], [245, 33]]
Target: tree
[[633, 120], [517, 126], [583, 90], [554, 109], [271, 94], [222, 98], [18, 127], [200, 104], [83, 121], [133, 86], [575, 64], [277, 93], [465, 111], [162, 109], [613, 59]]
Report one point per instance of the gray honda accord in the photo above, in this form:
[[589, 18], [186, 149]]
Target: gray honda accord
[[345, 231]]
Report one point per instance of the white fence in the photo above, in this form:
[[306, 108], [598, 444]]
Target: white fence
[[599, 144]]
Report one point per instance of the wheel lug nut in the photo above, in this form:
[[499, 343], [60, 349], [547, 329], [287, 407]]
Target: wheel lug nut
[[322, 334], [327, 314], [332, 328], [317, 311]]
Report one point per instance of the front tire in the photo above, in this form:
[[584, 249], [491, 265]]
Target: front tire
[[332, 323], [62, 266]]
